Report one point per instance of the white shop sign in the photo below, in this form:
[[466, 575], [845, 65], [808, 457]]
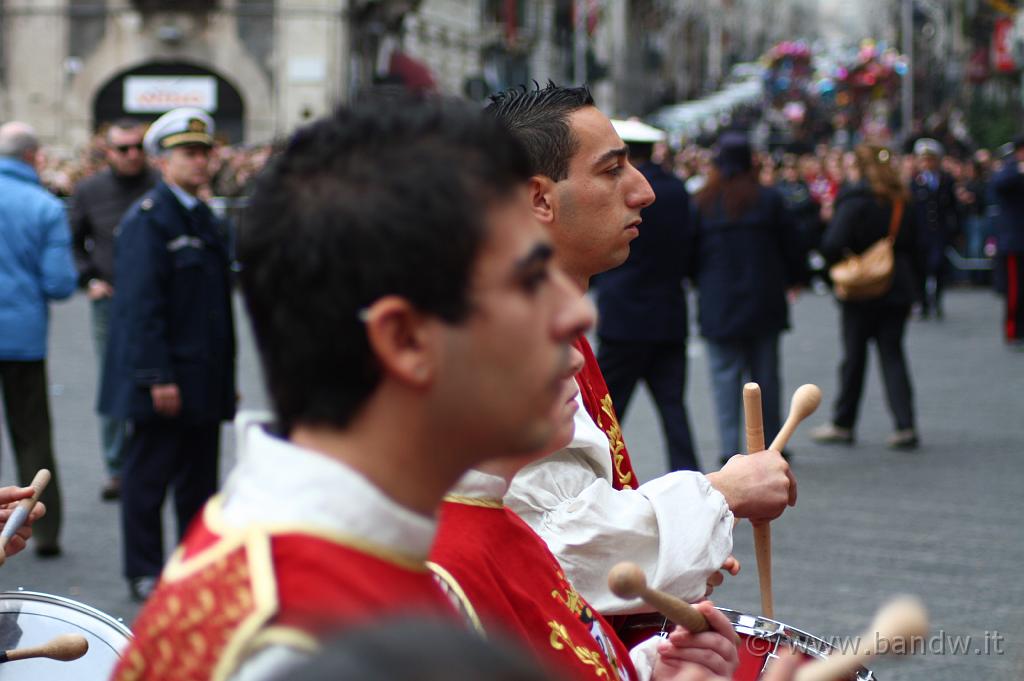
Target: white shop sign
[[157, 94]]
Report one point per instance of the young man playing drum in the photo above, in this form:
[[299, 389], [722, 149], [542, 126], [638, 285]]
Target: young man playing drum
[[410, 324], [584, 499], [511, 584]]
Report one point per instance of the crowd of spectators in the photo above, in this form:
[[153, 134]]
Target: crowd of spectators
[[234, 166], [811, 183]]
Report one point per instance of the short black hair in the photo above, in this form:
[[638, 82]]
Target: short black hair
[[388, 197], [539, 118]]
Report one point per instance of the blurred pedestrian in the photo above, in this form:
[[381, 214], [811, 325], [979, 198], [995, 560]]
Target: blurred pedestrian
[[170, 364], [934, 208], [96, 208], [1008, 189], [972, 194], [864, 214], [746, 257], [35, 268], [642, 315]]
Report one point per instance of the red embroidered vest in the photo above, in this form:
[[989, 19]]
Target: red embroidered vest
[[599, 405], [223, 591], [513, 582]]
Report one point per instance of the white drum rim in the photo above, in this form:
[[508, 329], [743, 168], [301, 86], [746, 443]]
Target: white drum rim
[[42, 597]]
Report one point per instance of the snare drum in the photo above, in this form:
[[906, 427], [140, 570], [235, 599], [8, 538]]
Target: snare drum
[[760, 640], [29, 619]]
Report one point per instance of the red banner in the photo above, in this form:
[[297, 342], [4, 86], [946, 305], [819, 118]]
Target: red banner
[[1002, 46]]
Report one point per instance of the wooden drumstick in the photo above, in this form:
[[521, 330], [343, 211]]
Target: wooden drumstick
[[901, 619], [627, 581], [804, 403], [64, 648], [23, 510], [762, 531]]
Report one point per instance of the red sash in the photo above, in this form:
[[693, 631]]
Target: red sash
[[516, 585], [220, 591], [598, 402]]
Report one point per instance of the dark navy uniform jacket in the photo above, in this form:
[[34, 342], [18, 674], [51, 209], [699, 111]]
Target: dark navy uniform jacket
[[171, 318], [643, 299], [1008, 187]]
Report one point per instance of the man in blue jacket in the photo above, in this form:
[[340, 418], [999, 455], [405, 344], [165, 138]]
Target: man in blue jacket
[[642, 316], [35, 268], [170, 364], [1008, 187]]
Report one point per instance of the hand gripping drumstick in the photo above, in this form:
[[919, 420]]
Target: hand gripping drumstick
[[762, 531], [22, 511], [65, 648], [627, 581], [901, 619]]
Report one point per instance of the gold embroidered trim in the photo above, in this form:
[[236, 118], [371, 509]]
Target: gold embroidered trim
[[455, 590], [278, 635], [482, 502], [572, 599], [212, 516], [560, 640], [264, 589], [616, 443]]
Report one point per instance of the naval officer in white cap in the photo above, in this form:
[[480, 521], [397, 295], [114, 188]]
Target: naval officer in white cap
[[170, 364]]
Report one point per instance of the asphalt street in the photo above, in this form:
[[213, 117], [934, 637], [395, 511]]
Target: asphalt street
[[944, 522]]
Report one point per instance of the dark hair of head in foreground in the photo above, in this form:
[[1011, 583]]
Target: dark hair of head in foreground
[[416, 650], [388, 197], [539, 118]]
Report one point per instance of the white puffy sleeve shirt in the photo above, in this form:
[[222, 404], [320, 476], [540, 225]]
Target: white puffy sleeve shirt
[[678, 528]]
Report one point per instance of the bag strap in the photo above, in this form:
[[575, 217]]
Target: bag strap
[[897, 218]]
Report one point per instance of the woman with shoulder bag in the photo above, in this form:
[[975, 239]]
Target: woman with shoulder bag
[[872, 209]]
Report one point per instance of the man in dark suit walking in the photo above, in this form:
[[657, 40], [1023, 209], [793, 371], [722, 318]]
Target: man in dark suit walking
[[1008, 187], [170, 364], [642, 315]]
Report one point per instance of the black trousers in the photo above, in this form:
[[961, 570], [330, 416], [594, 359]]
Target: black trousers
[[163, 453], [885, 325], [27, 412], [663, 367]]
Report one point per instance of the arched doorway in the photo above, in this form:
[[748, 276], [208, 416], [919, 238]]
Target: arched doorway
[[147, 91]]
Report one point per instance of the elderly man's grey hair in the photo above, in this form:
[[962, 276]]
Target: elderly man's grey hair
[[17, 139]]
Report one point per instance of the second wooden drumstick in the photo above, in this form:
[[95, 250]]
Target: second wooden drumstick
[[628, 581], [894, 628], [64, 648], [804, 403], [762, 531]]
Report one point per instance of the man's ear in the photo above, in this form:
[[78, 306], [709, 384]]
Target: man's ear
[[402, 339], [541, 190]]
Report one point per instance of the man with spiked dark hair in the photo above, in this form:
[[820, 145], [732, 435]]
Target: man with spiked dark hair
[[585, 499]]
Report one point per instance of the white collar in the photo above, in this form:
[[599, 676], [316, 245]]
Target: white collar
[[479, 485], [276, 482], [183, 196]]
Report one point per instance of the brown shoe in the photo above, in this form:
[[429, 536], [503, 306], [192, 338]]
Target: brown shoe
[[830, 434], [112, 490], [903, 439]]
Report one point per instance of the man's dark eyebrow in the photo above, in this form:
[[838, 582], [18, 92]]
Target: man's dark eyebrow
[[541, 253], [622, 152]]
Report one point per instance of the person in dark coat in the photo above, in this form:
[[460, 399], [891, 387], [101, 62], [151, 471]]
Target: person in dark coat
[[934, 206], [863, 215], [641, 304], [747, 256], [95, 209], [170, 364], [1008, 189]]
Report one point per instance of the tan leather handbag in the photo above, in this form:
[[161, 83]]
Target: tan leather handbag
[[868, 275]]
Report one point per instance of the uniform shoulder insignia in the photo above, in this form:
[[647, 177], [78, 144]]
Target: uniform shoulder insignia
[[146, 204]]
